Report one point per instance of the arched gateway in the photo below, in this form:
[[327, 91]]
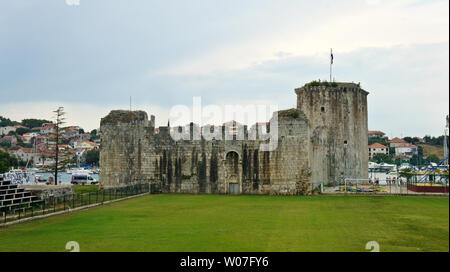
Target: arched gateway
[[232, 172]]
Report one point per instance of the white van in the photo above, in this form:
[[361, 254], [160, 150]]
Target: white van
[[83, 179]]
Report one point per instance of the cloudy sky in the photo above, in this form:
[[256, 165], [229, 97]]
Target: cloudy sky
[[90, 58]]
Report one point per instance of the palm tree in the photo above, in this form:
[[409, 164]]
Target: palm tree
[[406, 173]]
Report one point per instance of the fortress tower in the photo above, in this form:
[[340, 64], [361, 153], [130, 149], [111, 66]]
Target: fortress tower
[[337, 114]]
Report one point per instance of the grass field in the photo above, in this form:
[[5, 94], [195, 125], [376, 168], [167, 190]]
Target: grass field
[[81, 189], [242, 223]]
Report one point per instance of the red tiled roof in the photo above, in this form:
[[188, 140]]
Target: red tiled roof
[[48, 125], [27, 150], [14, 148], [407, 145], [397, 140], [376, 132], [377, 145]]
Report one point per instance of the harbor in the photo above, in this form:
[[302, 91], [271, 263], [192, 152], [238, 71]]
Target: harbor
[[33, 177]]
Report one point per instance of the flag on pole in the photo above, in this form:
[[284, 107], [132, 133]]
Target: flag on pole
[[332, 57]]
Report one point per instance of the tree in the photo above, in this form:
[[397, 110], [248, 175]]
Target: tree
[[398, 161], [420, 150], [4, 162], [408, 139], [58, 135], [415, 160], [382, 141], [22, 144], [43, 157], [433, 158], [7, 161], [6, 122], [436, 140], [5, 145], [411, 140], [32, 123], [22, 131], [378, 158], [392, 151], [92, 157], [94, 136], [406, 173]]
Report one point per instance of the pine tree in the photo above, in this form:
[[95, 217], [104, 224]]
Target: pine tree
[[58, 135]]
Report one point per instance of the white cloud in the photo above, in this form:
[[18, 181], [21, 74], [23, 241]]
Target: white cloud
[[384, 24], [228, 52]]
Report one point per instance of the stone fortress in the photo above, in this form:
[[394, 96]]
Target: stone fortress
[[323, 140]]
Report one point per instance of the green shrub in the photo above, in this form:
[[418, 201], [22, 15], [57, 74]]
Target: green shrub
[[321, 83], [294, 114]]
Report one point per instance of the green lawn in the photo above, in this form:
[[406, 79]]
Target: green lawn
[[242, 223], [81, 189]]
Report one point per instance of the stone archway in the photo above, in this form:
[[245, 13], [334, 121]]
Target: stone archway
[[232, 173]]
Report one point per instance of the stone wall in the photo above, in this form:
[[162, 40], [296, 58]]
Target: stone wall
[[315, 145], [45, 191]]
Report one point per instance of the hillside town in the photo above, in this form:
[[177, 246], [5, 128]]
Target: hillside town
[[413, 153], [32, 144]]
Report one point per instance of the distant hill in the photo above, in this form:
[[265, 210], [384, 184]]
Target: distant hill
[[432, 149]]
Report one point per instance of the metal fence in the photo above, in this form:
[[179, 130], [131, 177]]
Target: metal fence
[[68, 202], [387, 186]]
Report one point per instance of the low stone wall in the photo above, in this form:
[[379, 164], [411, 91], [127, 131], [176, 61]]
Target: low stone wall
[[46, 191]]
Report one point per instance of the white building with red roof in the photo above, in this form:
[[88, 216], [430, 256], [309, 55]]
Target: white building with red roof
[[29, 136], [26, 154], [79, 137], [86, 145], [406, 150], [9, 140], [20, 126], [48, 128], [6, 130], [396, 142], [377, 148]]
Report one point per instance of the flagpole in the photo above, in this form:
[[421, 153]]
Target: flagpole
[[331, 62]]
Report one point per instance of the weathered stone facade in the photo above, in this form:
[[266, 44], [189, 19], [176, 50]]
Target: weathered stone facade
[[321, 141]]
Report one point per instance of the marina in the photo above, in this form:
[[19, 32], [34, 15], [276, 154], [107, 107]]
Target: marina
[[28, 177]]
